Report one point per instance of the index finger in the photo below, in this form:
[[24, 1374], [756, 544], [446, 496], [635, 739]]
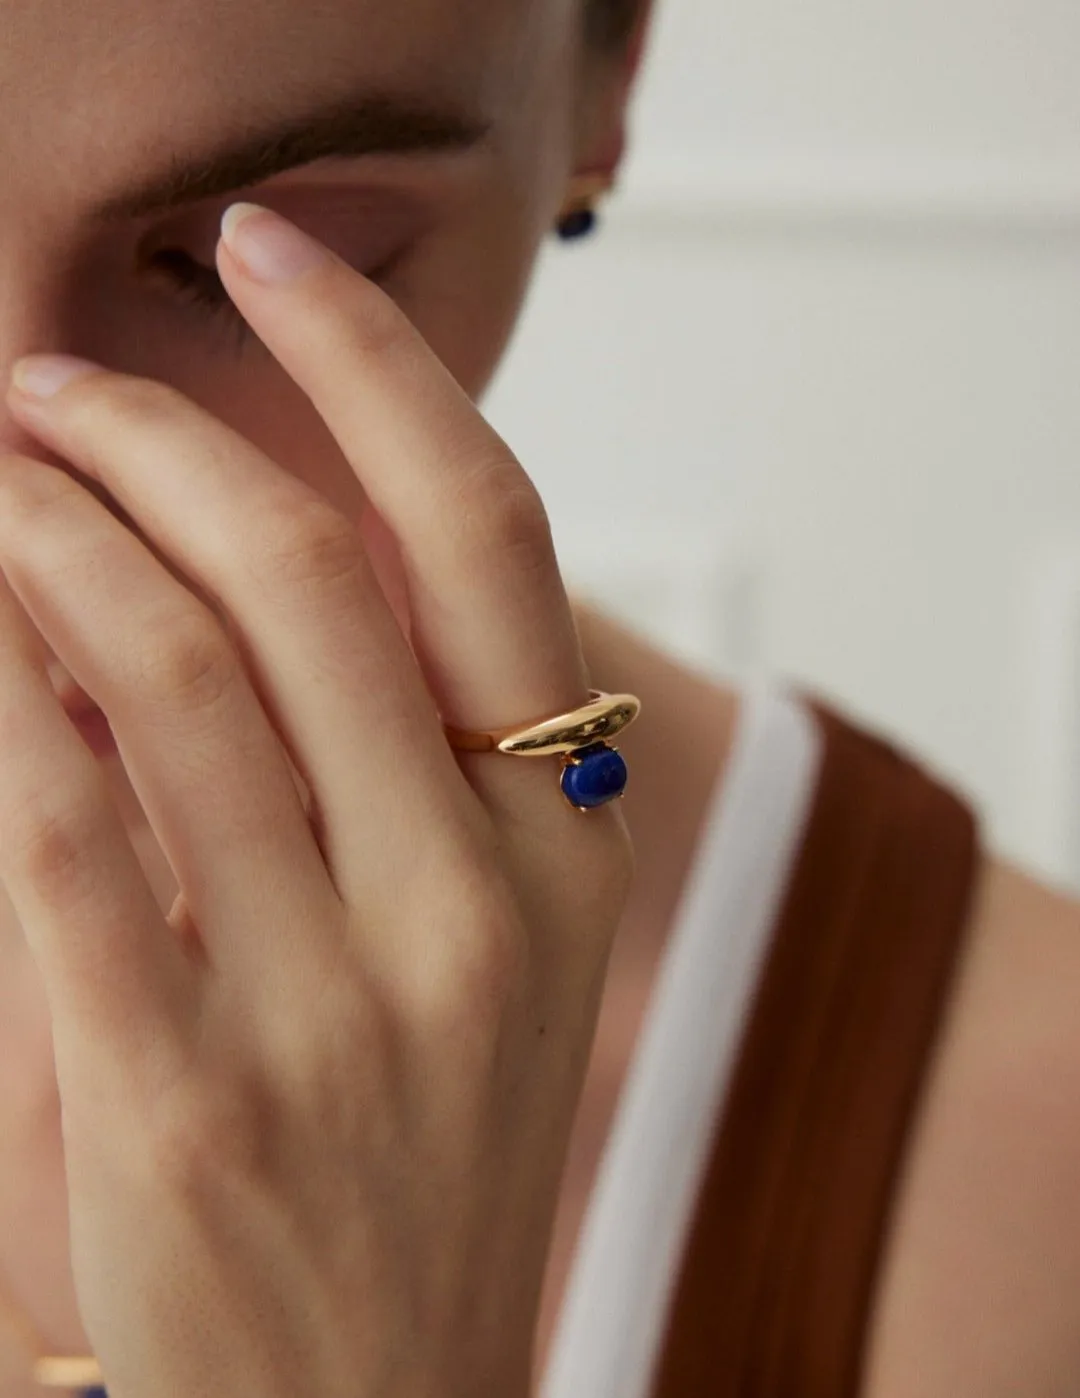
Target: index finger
[[491, 621]]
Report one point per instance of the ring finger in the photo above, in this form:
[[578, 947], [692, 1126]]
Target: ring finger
[[201, 755]]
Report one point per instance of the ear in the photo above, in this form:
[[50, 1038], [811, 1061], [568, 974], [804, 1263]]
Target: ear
[[610, 80]]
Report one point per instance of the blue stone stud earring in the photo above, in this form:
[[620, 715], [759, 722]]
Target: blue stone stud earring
[[577, 225], [578, 217]]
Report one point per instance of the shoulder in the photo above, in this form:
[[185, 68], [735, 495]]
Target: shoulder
[[980, 1290]]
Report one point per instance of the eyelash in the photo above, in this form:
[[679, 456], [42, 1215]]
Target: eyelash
[[203, 287]]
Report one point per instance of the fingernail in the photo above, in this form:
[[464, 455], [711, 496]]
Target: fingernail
[[270, 248], [42, 375]]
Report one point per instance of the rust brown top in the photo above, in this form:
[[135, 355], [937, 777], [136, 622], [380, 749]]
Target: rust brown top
[[777, 1278]]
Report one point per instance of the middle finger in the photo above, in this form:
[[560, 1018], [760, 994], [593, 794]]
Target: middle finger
[[201, 756], [326, 656]]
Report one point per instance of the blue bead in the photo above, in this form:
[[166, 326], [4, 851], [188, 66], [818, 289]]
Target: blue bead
[[598, 775], [577, 225]]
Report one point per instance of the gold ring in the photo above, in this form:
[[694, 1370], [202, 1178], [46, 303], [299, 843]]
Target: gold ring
[[601, 718], [594, 772]]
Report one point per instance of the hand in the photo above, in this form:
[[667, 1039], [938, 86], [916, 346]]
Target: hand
[[315, 1117]]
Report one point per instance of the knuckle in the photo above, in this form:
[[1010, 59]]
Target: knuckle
[[198, 1136], [477, 966], [51, 842], [511, 520], [308, 543], [343, 1050], [362, 1030], [188, 660]]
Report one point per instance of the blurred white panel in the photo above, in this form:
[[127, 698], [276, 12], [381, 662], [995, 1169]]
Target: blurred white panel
[[864, 87], [1052, 769], [826, 355], [697, 594]]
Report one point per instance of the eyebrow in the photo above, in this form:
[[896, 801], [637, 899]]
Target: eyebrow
[[372, 125]]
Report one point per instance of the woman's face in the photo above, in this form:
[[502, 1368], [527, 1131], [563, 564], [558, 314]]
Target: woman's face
[[428, 142]]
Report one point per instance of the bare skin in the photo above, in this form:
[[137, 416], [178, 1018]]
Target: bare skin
[[1000, 1095], [980, 1286], [449, 231], [978, 1293], [676, 701]]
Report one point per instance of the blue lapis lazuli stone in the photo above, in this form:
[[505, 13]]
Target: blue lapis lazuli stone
[[578, 225], [596, 776]]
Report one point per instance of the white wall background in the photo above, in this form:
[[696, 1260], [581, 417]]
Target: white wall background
[[811, 404]]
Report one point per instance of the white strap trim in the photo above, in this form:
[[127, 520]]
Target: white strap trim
[[616, 1305]]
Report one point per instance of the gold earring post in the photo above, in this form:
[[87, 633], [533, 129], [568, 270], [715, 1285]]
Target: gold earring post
[[584, 192]]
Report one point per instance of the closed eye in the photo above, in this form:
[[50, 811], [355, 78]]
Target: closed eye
[[203, 287], [373, 226]]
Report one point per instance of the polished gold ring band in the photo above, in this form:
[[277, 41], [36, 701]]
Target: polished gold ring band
[[595, 722]]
